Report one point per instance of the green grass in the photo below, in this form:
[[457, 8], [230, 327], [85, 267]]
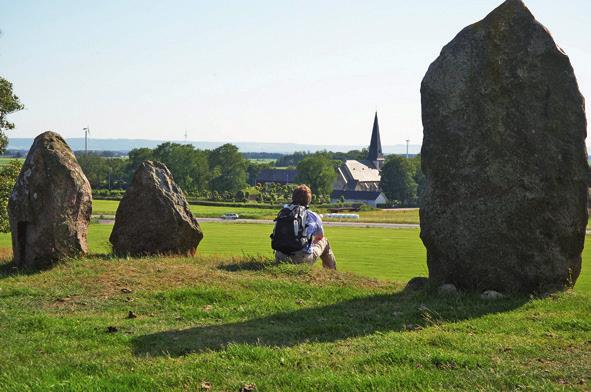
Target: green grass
[[232, 321], [6, 160], [229, 317]]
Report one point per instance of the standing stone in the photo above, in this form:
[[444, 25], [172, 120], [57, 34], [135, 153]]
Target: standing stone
[[505, 159], [154, 217], [50, 206]]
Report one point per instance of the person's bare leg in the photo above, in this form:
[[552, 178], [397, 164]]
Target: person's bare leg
[[328, 259], [322, 250]]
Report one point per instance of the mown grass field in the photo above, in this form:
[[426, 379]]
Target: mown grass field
[[390, 254], [108, 207], [6, 160]]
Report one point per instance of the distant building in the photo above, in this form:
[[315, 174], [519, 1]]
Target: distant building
[[363, 175], [357, 176], [277, 176], [375, 157], [372, 198]]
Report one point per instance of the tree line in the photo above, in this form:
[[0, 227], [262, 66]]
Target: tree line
[[293, 160], [196, 171], [202, 173], [224, 173]]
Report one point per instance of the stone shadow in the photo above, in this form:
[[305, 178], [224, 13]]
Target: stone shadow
[[250, 264], [402, 311], [10, 269]]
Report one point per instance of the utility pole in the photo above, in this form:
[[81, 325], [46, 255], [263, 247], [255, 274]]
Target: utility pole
[[407, 141], [186, 136], [86, 132]]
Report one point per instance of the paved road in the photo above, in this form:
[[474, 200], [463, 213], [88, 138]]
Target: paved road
[[341, 224]]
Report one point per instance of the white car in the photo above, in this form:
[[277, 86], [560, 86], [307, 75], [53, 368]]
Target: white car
[[230, 216], [342, 216]]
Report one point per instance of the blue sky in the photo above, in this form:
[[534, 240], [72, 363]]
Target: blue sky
[[267, 71]]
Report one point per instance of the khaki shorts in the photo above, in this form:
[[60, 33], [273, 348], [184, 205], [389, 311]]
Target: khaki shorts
[[320, 249]]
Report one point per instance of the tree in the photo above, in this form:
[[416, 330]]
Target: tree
[[419, 178], [398, 181], [104, 173], [9, 103], [95, 168], [8, 176], [137, 156], [189, 167], [318, 172], [291, 160], [228, 169]]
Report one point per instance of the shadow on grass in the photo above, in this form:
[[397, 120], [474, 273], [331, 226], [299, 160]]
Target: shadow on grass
[[352, 318], [9, 269], [247, 263]]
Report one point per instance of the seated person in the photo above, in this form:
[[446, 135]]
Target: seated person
[[298, 236]]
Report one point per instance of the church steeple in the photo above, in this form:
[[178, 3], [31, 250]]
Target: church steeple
[[375, 155]]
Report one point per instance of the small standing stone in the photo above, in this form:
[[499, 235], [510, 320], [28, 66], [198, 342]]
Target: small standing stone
[[154, 217], [50, 206], [447, 290], [417, 283], [491, 295]]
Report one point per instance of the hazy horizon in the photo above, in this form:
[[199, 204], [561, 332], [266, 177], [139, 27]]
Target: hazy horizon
[[123, 144], [260, 72]]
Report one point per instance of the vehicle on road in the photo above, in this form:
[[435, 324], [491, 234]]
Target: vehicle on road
[[230, 216], [341, 216]]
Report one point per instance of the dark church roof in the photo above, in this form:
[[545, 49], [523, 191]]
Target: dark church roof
[[279, 176], [375, 147]]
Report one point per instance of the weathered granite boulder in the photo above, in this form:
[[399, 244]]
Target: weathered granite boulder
[[505, 159], [154, 217], [50, 206]]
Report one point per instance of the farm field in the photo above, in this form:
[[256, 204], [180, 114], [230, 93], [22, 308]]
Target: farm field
[[108, 207], [389, 254], [5, 160]]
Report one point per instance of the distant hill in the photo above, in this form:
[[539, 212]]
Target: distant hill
[[125, 145]]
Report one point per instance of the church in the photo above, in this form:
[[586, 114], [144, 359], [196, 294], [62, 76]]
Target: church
[[359, 181], [363, 175]]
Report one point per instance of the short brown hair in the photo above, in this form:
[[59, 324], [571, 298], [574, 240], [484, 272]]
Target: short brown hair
[[302, 195]]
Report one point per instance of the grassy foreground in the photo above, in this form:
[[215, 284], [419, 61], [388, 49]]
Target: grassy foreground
[[231, 322], [229, 318]]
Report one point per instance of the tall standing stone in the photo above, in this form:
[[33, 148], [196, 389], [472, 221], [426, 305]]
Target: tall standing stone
[[50, 206], [505, 159], [154, 217]]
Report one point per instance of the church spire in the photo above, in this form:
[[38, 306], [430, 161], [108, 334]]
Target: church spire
[[375, 155]]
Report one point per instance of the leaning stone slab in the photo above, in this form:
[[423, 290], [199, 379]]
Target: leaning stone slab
[[153, 217], [505, 159], [50, 206]]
